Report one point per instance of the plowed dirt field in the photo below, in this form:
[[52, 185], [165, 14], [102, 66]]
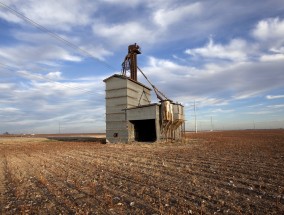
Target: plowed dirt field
[[231, 172]]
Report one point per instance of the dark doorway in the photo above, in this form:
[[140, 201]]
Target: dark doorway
[[144, 130]]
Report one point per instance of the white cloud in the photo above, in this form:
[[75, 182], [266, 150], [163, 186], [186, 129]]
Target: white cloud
[[279, 50], [97, 51], [30, 76], [42, 100], [231, 82], [205, 101], [217, 74], [6, 86], [125, 3], [68, 57], [54, 14], [281, 106], [271, 57], [124, 33], [163, 70], [50, 85], [9, 109], [163, 63], [220, 110], [269, 33], [246, 95], [269, 29], [236, 50], [26, 53], [166, 17], [178, 58], [54, 75], [275, 96], [263, 112], [255, 105], [37, 39], [10, 17]]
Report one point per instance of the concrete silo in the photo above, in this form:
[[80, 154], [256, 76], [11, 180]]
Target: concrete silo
[[130, 115]]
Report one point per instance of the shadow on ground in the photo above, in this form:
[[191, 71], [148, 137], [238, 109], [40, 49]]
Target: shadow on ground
[[79, 139]]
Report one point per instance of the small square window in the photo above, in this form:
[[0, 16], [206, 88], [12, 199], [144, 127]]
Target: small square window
[[115, 134]]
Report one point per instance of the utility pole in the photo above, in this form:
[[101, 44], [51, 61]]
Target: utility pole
[[211, 124], [195, 117]]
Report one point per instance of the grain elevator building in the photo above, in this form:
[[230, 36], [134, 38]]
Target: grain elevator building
[[130, 115]]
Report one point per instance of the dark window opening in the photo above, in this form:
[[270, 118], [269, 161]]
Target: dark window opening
[[144, 130]]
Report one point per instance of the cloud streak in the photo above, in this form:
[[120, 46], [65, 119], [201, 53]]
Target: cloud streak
[[239, 66], [275, 96]]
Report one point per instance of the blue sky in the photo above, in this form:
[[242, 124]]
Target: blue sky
[[226, 55]]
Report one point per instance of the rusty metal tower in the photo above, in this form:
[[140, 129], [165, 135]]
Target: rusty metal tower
[[130, 61]]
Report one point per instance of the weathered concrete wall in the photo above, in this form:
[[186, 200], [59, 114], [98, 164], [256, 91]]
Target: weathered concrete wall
[[116, 101], [127, 100], [137, 94], [122, 93], [144, 113], [141, 113]]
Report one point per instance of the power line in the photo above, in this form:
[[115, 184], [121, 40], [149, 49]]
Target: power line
[[54, 35]]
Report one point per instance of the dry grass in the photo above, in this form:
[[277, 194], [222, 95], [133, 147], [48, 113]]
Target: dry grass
[[212, 173]]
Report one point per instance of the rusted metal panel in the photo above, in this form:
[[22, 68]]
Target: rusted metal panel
[[130, 61]]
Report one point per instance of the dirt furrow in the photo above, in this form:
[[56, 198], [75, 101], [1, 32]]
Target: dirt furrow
[[2, 183], [227, 173], [58, 183], [149, 178]]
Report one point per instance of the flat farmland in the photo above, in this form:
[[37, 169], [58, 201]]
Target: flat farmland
[[230, 172]]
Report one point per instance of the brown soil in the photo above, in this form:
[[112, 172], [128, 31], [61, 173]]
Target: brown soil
[[231, 172]]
